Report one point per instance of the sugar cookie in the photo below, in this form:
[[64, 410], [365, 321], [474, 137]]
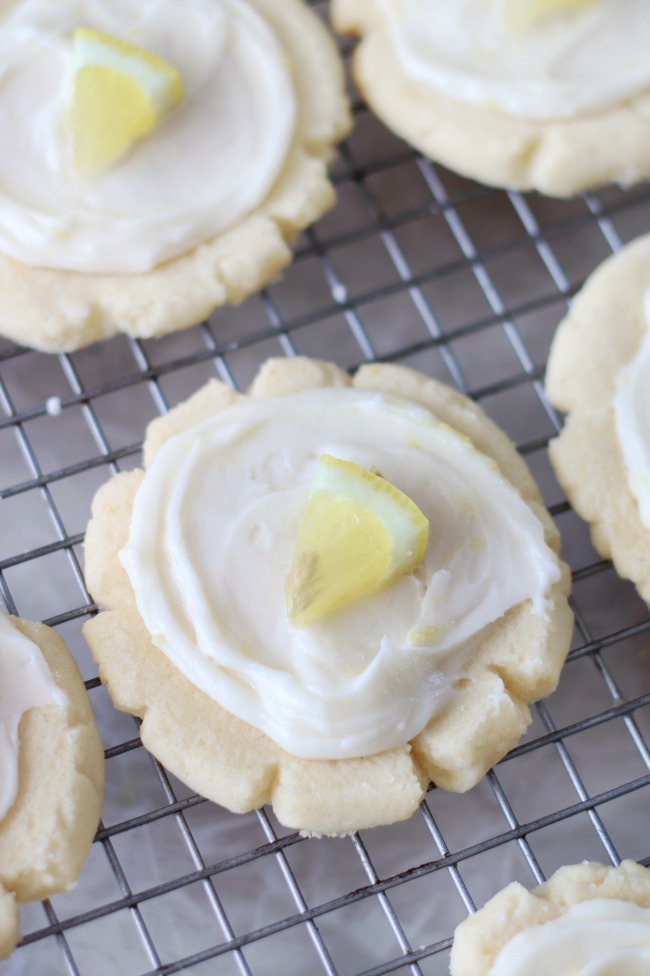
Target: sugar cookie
[[51, 766], [558, 104], [586, 916], [8, 923], [340, 724], [598, 374], [198, 213]]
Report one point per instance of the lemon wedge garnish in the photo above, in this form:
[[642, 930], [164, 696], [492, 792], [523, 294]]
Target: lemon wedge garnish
[[359, 533], [520, 14], [120, 93]]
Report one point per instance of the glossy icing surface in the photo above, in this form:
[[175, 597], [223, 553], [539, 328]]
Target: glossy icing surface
[[563, 65], [632, 413], [211, 542], [601, 937]]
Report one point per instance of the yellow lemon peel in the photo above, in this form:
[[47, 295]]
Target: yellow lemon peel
[[120, 93], [359, 534], [425, 636]]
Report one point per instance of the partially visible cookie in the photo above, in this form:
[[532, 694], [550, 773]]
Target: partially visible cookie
[[543, 105], [54, 805], [597, 373], [340, 725], [8, 922], [586, 913], [200, 213]]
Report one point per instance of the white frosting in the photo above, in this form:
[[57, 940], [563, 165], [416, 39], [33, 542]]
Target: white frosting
[[211, 162], [603, 937], [211, 542], [563, 65], [25, 682], [632, 415]]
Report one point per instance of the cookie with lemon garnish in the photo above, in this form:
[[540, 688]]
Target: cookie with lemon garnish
[[162, 162], [588, 919], [598, 373], [51, 769], [327, 593], [550, 95]]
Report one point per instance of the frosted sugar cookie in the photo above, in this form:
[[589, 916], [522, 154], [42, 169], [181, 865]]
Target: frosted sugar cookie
[[598, 373], [51, 769], [208, 561], [550, 95], [162, 159], [587, 920]]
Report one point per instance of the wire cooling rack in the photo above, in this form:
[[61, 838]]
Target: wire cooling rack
[[417, 266]]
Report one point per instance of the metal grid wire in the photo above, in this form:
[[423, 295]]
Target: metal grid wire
[[467, 284]]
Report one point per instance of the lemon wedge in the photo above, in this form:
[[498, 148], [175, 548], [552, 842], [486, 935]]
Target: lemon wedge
[[358, 534], [119, 94], [520, 14]]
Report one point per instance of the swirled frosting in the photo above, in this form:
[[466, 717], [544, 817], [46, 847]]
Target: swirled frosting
[[25, 682], [208, 165], [632, 416], [602, 937], [211, 540], [563, 65]]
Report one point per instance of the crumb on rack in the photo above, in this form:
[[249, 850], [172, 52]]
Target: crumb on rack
[[53, 406]]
